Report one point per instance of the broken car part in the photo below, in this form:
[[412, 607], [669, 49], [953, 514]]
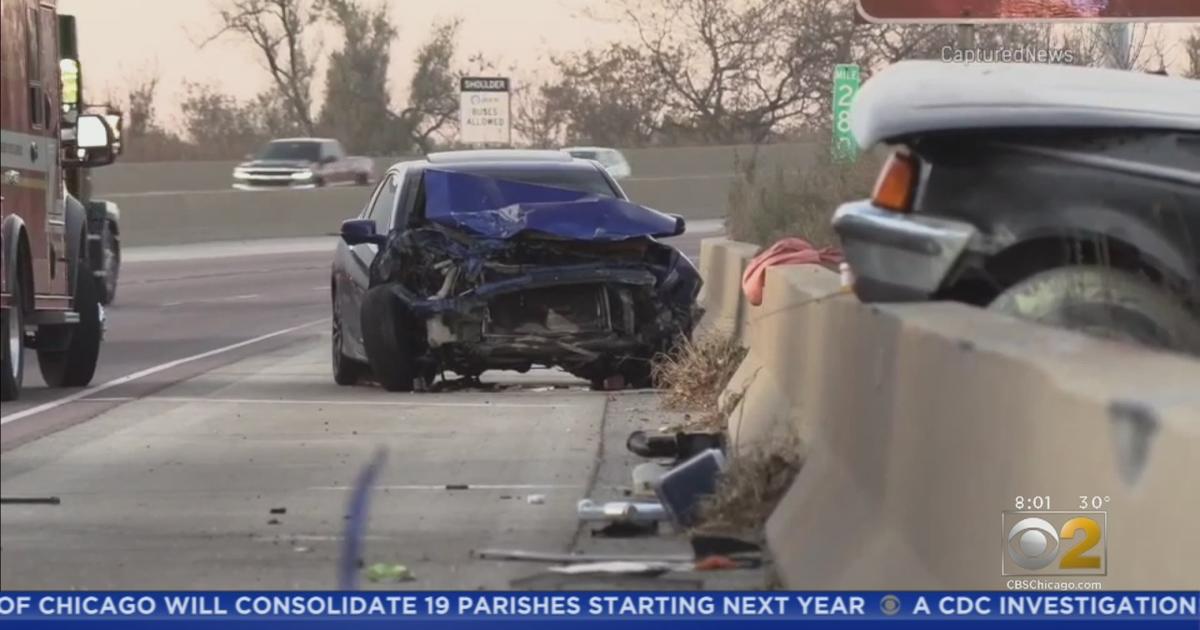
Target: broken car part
[[682, 489]]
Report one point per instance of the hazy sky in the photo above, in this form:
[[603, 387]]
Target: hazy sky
[[123, 41]]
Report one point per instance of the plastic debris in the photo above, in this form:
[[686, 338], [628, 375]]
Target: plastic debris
[[621, 568], [681, 489], [620, 511], [388, 572], [535, 499]]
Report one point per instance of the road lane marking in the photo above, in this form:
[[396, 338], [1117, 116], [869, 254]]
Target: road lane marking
[[232, 298], [332, 403], [162, 367]]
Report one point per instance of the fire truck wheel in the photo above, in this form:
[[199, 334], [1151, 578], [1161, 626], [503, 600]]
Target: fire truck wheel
[[74, 363], [112, 266], [12, 360]]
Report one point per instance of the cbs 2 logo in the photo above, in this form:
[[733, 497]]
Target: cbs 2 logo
[[1033, 543]]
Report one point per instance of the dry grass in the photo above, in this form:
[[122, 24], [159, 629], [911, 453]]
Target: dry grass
[[694, 374], [799, 201], [750, 488]]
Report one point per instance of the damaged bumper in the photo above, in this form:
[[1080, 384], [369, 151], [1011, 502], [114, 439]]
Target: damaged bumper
[[569, 316], [899, 258]]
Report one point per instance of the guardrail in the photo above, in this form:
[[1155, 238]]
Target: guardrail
[[921, 423]]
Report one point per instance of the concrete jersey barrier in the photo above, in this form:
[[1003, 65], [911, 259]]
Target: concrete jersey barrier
[[921, 423]]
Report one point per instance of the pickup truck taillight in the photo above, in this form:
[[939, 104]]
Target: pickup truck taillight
[[897, 184]]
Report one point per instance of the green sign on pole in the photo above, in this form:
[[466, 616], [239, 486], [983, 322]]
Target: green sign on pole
[[845, 86]]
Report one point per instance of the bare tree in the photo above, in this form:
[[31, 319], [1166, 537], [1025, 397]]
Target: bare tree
[[278, 30], [613, 96], [538, 113], [357, 104], [433, 91], [141, 107], [217, 123], [1191, 48]]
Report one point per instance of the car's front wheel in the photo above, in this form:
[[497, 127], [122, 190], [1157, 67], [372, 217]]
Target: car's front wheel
[[389, 339], [1106, 303]]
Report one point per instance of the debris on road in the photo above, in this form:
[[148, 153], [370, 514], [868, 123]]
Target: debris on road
[[535, 499], [30, 501], [539, 556], [683, 488], [388, 572], [278, 510], [646, 476], [620, 512], [273, 521], [681, 445], [621, 568]]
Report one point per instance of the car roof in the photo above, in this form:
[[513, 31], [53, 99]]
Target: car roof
[[496, 155], [302, 140], [564, 149]]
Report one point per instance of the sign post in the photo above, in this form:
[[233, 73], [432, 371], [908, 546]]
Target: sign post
[[484, 110], [846, 81]]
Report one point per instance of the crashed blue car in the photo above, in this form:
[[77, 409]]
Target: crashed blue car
[[480, 260]]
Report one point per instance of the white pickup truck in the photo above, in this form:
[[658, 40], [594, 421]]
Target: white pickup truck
[[301, 163]]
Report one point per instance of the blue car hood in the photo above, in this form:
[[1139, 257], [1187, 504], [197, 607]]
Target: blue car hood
[[502, 209]]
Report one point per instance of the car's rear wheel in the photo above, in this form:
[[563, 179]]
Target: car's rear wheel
[[346, 370], [1106, 303], [389, 339], [70, 360]]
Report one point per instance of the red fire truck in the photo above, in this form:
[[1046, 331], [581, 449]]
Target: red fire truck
[[49, 297]]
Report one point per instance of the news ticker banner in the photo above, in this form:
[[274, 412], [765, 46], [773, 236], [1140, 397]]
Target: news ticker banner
[[430, 609]]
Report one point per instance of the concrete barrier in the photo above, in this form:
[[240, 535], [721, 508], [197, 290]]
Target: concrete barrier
[[921, 423], [165, 203], [722, 263]]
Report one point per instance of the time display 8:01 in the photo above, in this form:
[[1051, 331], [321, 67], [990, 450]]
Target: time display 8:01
[[1037, 502]]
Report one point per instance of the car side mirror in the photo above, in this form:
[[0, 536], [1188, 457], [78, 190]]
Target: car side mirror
[[680, 225], [93, 143], [361, 231]]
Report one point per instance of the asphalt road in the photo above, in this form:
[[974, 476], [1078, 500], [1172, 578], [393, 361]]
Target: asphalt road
[[213, 406]]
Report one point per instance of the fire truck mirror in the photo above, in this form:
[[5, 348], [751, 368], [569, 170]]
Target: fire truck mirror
[[93, 142]]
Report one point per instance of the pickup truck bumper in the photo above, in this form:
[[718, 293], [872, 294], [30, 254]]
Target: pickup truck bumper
[[899, 257]]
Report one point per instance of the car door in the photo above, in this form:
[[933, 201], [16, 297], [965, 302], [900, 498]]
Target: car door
[[382, 209]]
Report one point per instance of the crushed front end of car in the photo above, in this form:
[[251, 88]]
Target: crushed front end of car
[[560, 278]]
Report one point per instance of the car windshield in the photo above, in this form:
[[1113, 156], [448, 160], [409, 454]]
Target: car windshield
[[288, 150], [588, 180]]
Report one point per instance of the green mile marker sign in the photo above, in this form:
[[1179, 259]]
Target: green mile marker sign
[[845, 86]]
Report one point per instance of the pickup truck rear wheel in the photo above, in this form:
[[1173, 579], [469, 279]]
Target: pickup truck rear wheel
[[1107, 303], [388, 336], [74, 363]]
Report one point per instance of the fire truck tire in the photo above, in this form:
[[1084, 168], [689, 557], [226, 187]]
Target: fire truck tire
[[75, 364], [112, 265], [12, 359]]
